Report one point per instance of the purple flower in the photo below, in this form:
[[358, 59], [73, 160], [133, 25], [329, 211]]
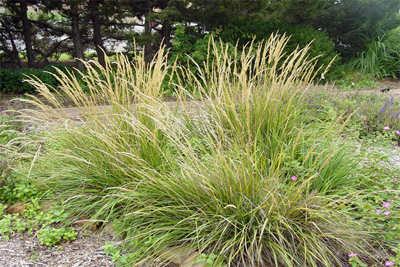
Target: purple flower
[[352, 255], [386, 205], [294, 178], [8, 113], [378, 211], [397, 114], [386, 128], [389, 263], [387, 212], [383, 110]]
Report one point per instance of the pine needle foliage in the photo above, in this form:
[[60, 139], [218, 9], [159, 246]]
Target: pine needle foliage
[[211, 172]]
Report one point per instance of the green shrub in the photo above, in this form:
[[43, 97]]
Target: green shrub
[[244, 31], [381, 57], [13, 81]]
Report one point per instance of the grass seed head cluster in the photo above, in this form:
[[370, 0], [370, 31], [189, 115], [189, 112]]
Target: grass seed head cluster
[[231, 169]]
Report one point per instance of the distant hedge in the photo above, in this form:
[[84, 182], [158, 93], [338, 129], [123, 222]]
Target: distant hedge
[[12, 80], [244, 31]]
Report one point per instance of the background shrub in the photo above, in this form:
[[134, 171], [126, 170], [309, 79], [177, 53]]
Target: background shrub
[[12, 80], [381, 57], [244, 31]]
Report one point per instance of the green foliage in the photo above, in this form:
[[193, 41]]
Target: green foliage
[[381, 58], [188, 47], [375, 118], [17, 188], [33, 218], [356, 262], [348, 22], [352, 80], [209, 260], [10, 224], [13, 81], [50, 236], [244, 31], [116, 252]]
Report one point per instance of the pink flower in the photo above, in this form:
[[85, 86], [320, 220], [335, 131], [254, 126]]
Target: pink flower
[[389, 263], [390, 200], [386, 204], [378, 211], [294, 178], [386, 128], [398, 132], [387, 212], [396, 179], [352, 255]]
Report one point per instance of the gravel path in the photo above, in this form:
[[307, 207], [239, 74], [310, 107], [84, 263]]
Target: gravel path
[[26, 250]]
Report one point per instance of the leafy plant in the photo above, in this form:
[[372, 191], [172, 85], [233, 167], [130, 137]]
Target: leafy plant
[[17, 188], [209, 260], [381, 58], [10, 224], [13, 81], [51, 236]]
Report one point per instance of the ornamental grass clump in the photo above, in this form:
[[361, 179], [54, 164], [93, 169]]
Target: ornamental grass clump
[[213, 172]]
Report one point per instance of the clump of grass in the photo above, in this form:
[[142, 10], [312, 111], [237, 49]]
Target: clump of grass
[[380, 58], [236, 172]]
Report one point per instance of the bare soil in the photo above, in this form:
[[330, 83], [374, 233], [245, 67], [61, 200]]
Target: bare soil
[[25, 250]]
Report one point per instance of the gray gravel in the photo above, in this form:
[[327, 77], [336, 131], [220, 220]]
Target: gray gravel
[[26, 250]]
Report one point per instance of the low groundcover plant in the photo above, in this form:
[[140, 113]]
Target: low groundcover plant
[[232, 169]]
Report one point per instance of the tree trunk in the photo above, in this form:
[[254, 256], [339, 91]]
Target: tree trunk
[[147, 33], [26, 31], [147, 48], [166, 34], [14, 54], [97, 38], [76, 36]]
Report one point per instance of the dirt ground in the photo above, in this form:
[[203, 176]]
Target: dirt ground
[[23, 250]]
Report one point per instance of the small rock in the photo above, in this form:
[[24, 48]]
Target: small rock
[[17, 208], [89, 224]]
